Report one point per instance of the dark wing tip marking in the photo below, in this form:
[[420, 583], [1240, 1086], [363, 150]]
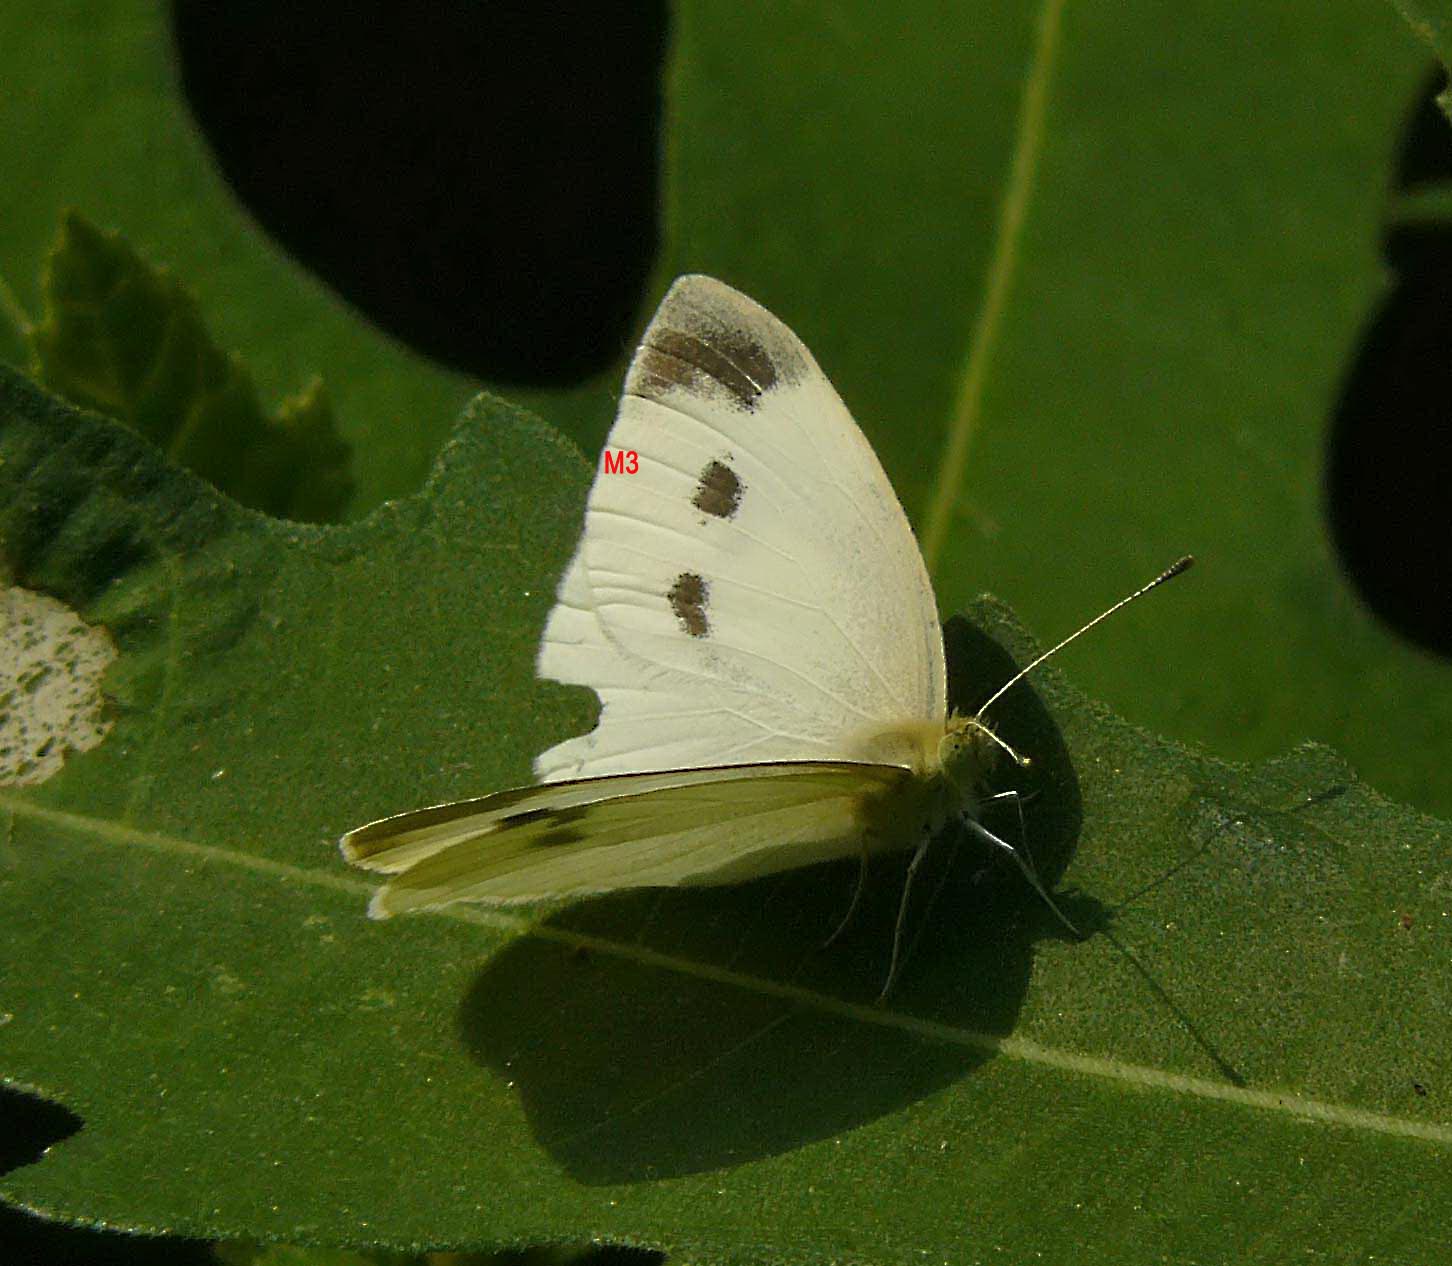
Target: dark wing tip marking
[[688, 600], [730, 359], [711, 340], [719, 492]]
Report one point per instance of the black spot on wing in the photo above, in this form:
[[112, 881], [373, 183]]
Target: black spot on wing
[[563, 824], [719, 492], [688, 600], [528, 816], [712, 362]]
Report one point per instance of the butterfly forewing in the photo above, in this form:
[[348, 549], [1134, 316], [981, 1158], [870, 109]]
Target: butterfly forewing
[[753, 592]]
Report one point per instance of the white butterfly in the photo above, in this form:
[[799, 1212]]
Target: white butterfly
[[754, 614]]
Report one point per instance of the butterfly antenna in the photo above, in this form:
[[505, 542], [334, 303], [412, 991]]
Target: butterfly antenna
[[1169, 573]]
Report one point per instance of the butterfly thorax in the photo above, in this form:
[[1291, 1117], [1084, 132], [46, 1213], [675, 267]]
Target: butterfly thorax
[[950, 762]]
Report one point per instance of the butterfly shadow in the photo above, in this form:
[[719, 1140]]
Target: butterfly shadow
[[657, 1033]]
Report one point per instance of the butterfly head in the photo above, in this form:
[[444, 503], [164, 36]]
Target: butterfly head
[[966, 751]]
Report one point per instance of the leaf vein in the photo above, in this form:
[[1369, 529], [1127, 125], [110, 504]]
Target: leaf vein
[[1136, 1076], [1012, 214]]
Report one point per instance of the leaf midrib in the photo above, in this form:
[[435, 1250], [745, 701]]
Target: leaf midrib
[[1003, 263], [1138, 1076]]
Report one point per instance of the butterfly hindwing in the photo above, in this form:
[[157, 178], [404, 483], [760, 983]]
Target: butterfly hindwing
[[667, 829], [753, 592]]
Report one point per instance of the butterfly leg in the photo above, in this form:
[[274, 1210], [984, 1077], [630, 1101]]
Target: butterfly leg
[[856, 897], [895, 965], [1024, 862], [1017, 799]]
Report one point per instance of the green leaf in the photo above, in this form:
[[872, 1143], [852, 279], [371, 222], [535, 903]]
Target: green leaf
[[1191, 258], [122, 337], [243, 1254], [1259, 1013], [1184, 275], [1432, 22], [1092, 281], [96, 121]]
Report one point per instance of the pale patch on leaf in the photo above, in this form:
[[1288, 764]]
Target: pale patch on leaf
[[51, 664]]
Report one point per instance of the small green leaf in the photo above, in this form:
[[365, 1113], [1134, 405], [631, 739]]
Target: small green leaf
[[1432, 22], [1247, 1059], [126, 339]]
